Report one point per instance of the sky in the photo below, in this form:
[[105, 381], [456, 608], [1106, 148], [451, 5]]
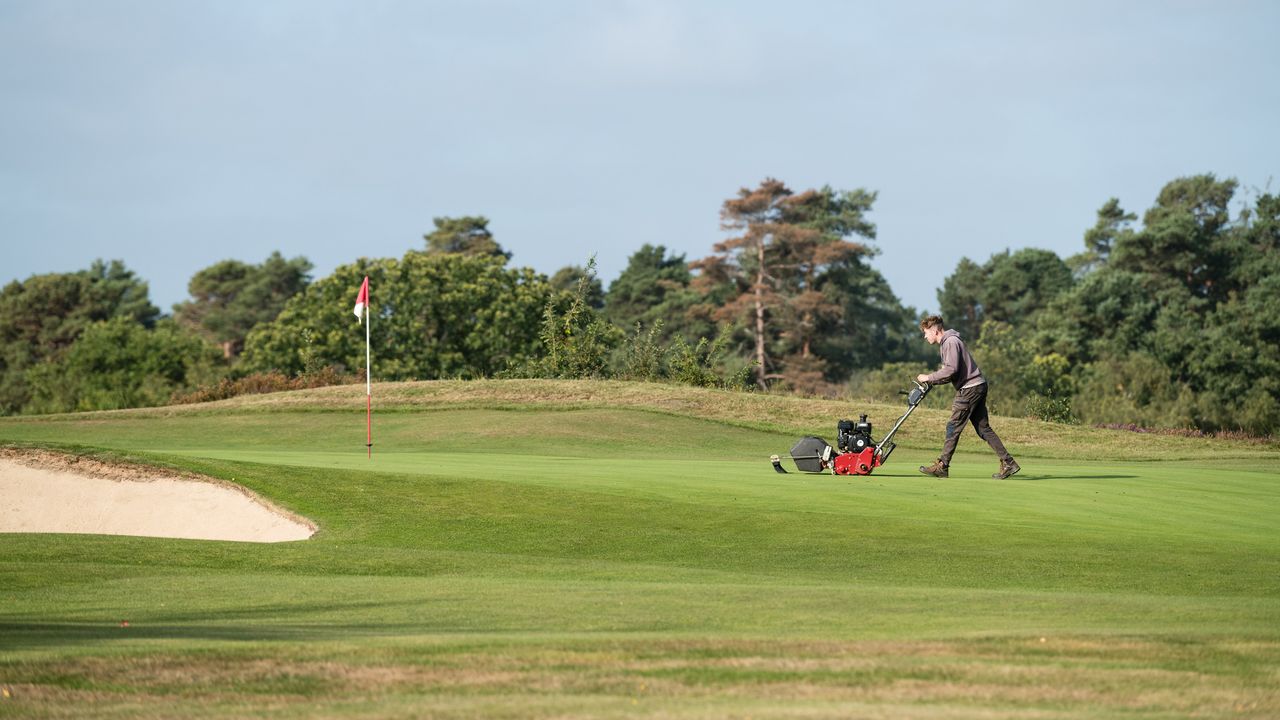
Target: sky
[[173, 134]]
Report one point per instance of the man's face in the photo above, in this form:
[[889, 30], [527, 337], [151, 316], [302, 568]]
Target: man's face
[[933, 335]]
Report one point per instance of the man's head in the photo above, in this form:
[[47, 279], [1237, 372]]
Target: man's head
[[932, 328]]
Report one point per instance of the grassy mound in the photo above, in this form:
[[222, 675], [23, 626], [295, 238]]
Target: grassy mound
[[784, 415]]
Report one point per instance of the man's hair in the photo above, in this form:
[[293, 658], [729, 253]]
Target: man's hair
[[931, 321]]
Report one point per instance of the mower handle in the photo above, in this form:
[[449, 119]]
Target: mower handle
[[886, 440]]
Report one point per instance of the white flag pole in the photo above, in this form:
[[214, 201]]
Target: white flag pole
[[368, 384]]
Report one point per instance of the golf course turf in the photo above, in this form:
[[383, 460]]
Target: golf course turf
[[597, 549]]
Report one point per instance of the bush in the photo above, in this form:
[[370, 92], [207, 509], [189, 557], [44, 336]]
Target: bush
[[1051, 409], [1135, 388], [265, 382], [1049, 388], [704, 365], [433, 316], [576, 343], [119, 363], [643, 356]]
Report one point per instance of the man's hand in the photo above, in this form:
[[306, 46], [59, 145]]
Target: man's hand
[[922, 378]]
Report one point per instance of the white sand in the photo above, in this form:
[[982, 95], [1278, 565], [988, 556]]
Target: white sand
[[38, 496]]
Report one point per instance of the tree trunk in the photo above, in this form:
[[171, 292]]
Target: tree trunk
[[760, 276], [807, 322]]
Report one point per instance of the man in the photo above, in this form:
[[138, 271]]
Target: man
[[970, 404]]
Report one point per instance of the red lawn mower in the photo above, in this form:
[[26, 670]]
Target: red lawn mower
[[858, 453]]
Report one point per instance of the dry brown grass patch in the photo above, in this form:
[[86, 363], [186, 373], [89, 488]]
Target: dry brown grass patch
[[1070, 677]]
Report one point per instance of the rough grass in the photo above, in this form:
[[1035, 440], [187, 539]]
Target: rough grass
[[556, 550]]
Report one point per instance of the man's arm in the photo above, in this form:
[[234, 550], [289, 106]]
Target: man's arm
[[950, 364]]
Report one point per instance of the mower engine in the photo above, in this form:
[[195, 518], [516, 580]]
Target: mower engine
[[853, 438], [857, 449]]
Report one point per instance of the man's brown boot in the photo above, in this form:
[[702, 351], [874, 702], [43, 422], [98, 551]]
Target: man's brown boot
[[937, 469], [1007, 468]]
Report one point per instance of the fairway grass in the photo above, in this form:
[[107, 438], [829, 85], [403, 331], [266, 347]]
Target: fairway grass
[[555, 550]]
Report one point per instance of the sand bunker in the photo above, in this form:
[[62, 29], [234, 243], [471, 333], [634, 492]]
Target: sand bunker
[[50, 493]]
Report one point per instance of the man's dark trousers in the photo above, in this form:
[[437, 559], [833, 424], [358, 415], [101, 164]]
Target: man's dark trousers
[[971, 406]]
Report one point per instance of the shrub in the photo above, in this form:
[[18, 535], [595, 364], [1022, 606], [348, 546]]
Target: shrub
[[576, 343], [644, 358], [704, 365], [119, 363], [265, 382]]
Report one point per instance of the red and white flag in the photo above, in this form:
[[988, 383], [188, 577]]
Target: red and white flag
[[362, 300]]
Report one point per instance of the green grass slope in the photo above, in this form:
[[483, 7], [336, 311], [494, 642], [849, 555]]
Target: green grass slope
[[592, 549]]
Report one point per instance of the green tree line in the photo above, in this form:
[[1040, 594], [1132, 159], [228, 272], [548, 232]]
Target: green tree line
[[1171, 323], [1175, 323]]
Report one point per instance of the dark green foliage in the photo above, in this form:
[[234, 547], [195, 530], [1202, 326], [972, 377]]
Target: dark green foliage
[[231, 297], [654, 289], [42, 316], [703, 365], [1009, 287], [1184, 236], [1174, 324], [960, 300], [1114, 225], [1110, 311], [644, 357], [1135, 388], [575, 341], [119, 363], [707, 363], [567, 278], [1025, 380], [995, 306], [1022, 283], [1049, 389], [1005, 355], [578, 343], [1235, 365], [467, 235], [873, 327], [1254, 246], [434, 315]]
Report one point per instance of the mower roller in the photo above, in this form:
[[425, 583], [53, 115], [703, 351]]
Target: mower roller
[[858, 454]]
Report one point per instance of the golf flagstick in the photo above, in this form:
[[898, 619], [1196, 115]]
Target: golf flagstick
[[362, 313]]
